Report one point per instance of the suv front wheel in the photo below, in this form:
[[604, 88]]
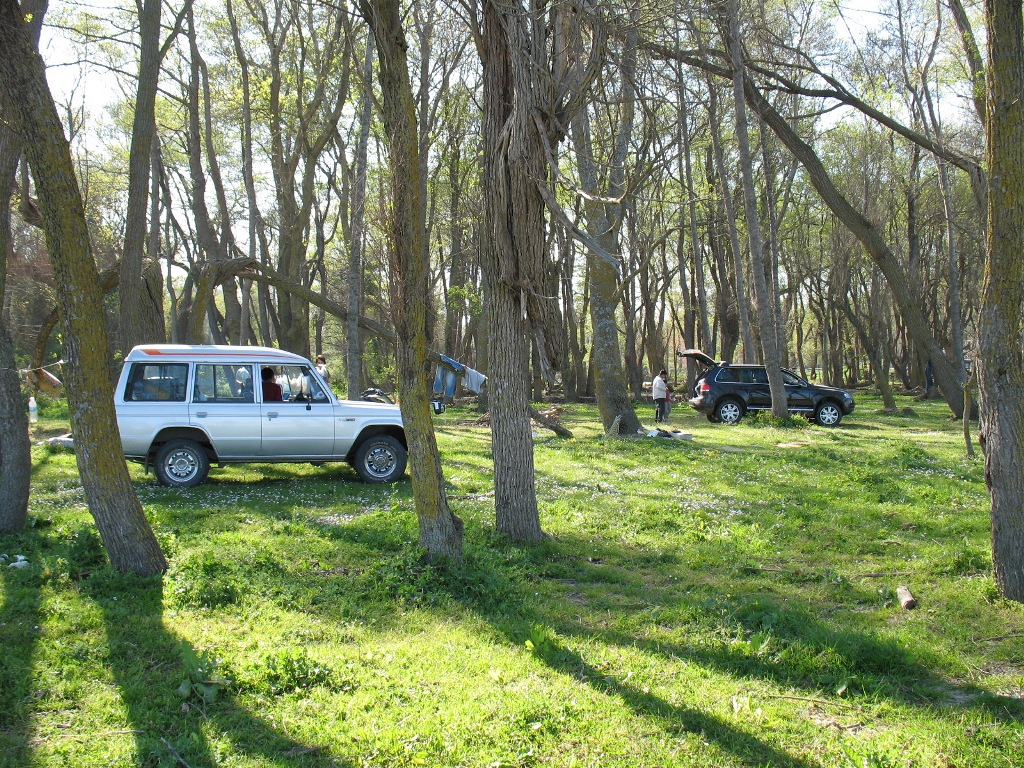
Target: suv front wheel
[[380, 459], [181, 464], [728, 411], [828, 414]]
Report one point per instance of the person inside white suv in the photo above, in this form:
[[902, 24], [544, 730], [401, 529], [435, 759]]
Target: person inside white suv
[[244, 380], [271, 389]]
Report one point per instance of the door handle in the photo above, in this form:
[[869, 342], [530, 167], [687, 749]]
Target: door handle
[[201, 414], [272, 415]]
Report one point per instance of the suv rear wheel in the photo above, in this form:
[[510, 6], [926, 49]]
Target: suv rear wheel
[[380, 459], [828, 414], [181, 464], [728, 411]]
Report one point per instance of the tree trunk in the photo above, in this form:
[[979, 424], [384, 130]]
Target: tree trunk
[[514, 253], [141, 319], [123, 526], [730, 213], [259, 247], [15, 446], [766, 314], [357, 232], [707, 339], [1000, 370], [776, 213], [876, 355], [973, 54], [572, 325], [300, 130], [440, 530], [613, 400], [727, 315]]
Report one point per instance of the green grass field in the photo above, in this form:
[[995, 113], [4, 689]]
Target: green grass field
[[728, 600]]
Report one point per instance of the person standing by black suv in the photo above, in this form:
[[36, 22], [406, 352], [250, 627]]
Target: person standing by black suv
[[660, 391]]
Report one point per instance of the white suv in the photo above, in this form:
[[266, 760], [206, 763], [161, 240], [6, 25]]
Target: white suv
[[181, 408]]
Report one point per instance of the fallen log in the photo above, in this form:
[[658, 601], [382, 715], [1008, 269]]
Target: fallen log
[[906, 599], [551, 424]]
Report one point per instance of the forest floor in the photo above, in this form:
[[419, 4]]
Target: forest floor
[[727, 600]]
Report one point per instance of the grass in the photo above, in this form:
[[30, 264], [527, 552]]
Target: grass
[[722, 601]]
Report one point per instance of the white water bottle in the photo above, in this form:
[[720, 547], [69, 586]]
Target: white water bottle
[[33, 410]]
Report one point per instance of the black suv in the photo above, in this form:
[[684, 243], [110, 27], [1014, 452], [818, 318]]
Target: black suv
[[724, 392]]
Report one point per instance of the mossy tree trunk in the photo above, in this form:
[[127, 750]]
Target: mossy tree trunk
[[126, 532], [440, 530], [1000, 368]]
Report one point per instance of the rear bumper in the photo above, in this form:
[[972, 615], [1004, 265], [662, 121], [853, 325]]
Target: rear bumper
[[700, 403]]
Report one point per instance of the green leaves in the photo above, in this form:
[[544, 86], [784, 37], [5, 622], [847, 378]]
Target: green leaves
[[543, 642], [201, 683]]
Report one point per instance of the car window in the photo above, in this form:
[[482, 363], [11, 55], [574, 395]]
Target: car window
[[223, 383], [791, 379], [742, 376], [157, 381], [299, 386]]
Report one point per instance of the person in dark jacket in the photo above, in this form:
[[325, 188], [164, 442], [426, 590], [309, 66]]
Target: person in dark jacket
[[271, 389]]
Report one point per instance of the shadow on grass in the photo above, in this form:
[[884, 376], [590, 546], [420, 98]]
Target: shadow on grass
[[19, 634], [745, 637], [490, 594], [171, 728], [672, 718], [763, 636], [506, 607]]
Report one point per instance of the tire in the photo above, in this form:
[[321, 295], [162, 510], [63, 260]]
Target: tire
[[728, 411], [380, 459], [828, 414], [181, 464]]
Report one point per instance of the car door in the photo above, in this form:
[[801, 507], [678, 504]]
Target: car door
[[155, 396], [702, 365], [223, 406], [798, 393], [758, 387], [302, 423]]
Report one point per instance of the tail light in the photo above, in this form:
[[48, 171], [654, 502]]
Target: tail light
[[704, 386]]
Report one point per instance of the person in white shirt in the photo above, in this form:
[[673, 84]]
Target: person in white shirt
[[321, 367], [660, 390]]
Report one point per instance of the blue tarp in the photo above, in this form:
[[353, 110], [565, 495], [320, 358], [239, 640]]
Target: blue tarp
[[447, 376]]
